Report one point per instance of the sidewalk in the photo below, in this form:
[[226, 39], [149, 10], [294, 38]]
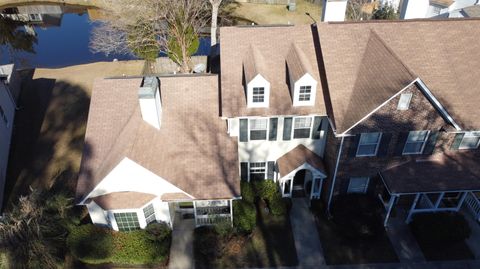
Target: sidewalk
[[307, 241], [181, 250]]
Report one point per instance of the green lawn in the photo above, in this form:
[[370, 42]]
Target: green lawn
[[271, 244], [340, 249]]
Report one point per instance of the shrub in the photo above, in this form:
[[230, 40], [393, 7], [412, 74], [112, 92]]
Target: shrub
[[223, 228], [244, 216], [265, 189], [96, 245], [248, 194], [357, 215], [277, 204], [442, 227], [158, 232], [90, 242]]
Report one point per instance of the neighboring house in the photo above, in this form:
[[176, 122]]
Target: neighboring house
[[154, 147], [417, 9], [322, 110], [404, 117], [9, 89], [44, 15]]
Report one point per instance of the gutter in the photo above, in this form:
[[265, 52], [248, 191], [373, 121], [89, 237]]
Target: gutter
[[334, 176]]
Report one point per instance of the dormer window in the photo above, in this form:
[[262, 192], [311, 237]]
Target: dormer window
[[258, 95], [256, 84], [305, 93], [303, 85]]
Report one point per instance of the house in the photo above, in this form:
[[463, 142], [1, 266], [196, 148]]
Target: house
[[156, 146], [403, 115], [416, 9], [9, 90], [322, 110]]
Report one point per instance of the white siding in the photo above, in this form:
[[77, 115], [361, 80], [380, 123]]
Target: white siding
[[334, 10], [264, 150], [413, 9], [130, 176], [97, 214], [306, 80], [258, 81]]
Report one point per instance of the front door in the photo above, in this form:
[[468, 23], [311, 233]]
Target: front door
[[298, 189]]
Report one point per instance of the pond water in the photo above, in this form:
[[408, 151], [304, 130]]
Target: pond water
[[55, 35]]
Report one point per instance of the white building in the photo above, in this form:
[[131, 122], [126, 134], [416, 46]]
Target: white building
[[417, 9], [8, 93]]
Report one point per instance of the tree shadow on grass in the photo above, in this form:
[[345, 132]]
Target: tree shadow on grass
[[47, 143]]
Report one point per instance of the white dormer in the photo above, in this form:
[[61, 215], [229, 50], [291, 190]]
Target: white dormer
[[304, 91], [256, 84], [303, 86], [258, 92]]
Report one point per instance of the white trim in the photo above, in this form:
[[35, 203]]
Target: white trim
[[423, 145], [437, 103], [407, 105], [377, 108], [365, 188], [376, 147], [470, 134], [335, 175]]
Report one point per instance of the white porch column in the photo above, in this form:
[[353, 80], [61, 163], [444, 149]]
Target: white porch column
[[439, 200], [391, 202], [462, 199], [412, 208], [231, 212]]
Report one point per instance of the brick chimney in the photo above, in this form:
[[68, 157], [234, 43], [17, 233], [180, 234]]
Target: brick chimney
[[150, 102]]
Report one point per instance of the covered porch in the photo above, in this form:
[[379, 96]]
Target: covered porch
[[435, 184], [301, 173]]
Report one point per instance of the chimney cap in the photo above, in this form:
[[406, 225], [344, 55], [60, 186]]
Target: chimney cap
[[149, 87]]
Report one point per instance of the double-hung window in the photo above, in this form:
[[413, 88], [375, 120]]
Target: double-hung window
[[368, 144], [305, 93], [149, 213], [127, 221], [257, 171], [301, 127], [416, 141], [470, 140], [258, 129], [258, 95], [358, 185]]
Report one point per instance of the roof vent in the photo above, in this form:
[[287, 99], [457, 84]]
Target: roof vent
[[150, 103]]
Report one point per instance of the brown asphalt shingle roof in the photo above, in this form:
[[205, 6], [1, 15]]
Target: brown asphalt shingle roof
[[298, 63], [472, 11], [442, 172], [192, 149], [297, 157], [254, 64], [445, 54], [273, 43], [123, 200]]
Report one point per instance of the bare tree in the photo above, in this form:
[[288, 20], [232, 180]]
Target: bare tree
[[356, 10], [213, 30], [146, 28]]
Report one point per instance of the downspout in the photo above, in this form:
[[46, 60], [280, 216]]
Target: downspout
[[334, 176]]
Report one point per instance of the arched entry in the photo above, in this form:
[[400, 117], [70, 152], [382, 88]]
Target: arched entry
[[301, 182]]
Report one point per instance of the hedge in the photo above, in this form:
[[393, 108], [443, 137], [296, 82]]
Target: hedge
[[244, 216], [96, 245], [441, 227]]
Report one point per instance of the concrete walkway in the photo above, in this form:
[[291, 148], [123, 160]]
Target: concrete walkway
[[307, 242], [181, 250], [405, 245]]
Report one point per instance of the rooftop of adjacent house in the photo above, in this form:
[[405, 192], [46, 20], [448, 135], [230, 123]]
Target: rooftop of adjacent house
[[441, 172], [443, 3], [269, 47], [192, 149], [368, 62], [471, 11]]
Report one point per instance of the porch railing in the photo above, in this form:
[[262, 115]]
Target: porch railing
[[473, 204], [211, 219]]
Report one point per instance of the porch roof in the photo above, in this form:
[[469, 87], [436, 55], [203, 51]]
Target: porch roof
[[445, 172], [297, 157]]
